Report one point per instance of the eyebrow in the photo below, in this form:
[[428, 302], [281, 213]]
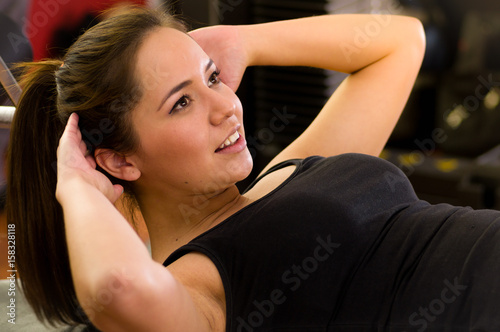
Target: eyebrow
[[182, 85]]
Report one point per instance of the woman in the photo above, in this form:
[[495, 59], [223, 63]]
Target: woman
[[316, 244]]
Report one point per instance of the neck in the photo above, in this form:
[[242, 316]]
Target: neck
[[173, 222]]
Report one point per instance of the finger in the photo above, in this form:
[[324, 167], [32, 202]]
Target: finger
[[231, 82], [233, 85], [118, 191], [90, 159], [71, 129], [72, 124], [196, 32], [83, 148]]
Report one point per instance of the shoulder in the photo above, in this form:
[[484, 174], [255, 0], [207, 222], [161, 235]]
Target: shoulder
[[198, 274], [355, 163], [351, 171]]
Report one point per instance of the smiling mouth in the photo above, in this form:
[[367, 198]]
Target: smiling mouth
[[229, 141]]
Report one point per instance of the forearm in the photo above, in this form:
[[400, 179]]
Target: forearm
[[382, 54], [102, 246], [345, 43]]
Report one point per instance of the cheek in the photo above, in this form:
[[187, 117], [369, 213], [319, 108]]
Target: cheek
[[175, 141], [179, 148], [169, 149], [170, 160]]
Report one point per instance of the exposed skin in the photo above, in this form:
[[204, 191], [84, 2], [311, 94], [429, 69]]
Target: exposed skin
[[184, 183], [177, 168]]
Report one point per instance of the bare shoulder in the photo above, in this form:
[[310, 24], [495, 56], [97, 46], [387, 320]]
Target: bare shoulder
[[200, 277]]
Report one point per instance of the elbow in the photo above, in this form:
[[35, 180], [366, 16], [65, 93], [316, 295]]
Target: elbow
[[420, 35], [415, 36], [105, 294], [119, 294], [409, 41]]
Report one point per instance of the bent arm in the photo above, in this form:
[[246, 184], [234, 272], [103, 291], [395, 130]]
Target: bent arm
[[117, 283], [382, 54]]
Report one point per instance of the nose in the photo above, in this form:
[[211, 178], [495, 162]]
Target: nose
[[221, 107]]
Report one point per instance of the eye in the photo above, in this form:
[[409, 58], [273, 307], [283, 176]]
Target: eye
[[214, 78], [183, 102]]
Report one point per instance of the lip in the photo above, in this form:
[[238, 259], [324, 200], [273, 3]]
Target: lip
[[238, 146]]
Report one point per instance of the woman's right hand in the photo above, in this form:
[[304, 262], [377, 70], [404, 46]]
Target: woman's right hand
[[74, 164], [225, 45]]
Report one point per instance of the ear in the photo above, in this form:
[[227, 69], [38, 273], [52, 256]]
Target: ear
[[117, 164]]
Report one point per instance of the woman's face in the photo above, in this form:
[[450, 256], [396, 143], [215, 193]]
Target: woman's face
[[190, 125]]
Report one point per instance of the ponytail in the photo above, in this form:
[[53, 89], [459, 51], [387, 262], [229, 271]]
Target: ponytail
[[98, 82], [41, 252]]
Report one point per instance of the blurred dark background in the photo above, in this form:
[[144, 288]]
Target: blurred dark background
[[446, 140]]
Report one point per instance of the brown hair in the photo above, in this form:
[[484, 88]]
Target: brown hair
[[97, 81]]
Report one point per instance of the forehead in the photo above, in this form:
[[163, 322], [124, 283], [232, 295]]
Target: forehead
[[167, 52]]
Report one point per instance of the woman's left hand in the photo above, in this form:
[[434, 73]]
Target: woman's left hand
[[226, 47]]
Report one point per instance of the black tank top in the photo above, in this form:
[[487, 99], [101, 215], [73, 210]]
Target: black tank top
[[344, 244]]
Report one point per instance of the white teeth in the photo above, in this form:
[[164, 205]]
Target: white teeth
[[230, 140]]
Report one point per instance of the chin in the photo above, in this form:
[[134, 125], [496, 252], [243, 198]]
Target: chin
[[246, 167], [241, 168]]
